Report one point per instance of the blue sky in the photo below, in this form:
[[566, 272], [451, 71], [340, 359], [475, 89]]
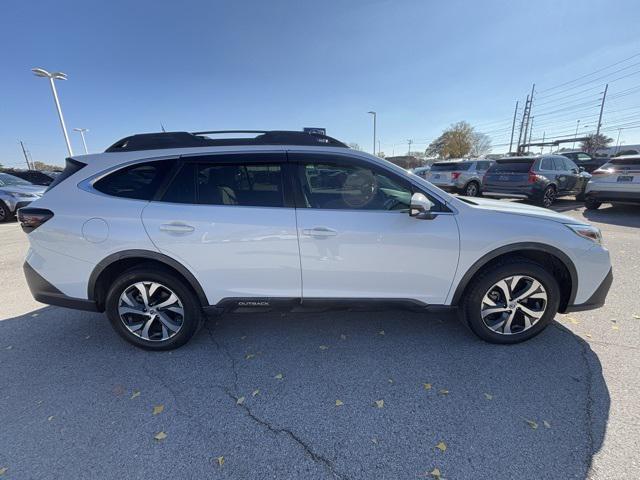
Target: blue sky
[[195, 65]]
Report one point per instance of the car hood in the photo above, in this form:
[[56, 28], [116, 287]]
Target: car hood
[[517, 208], [36, 189]]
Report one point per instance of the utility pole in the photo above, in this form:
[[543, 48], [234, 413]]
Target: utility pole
[[573, 145], [513, 126], [542, 146], [531, 130], [618, 140], [26, 159], [604, 95], [374, 130], [524, 114], [409, 141]]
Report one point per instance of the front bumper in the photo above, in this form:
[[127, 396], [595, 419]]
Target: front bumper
[[598, 297], [44, 292]]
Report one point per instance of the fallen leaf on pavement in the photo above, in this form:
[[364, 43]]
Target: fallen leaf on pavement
[[435, 473], [588, 335], [249, 356], [278, 376], [615, 327], [240, 401], [374, 440], [573, 320], [381, 332], [488, 396], [443, 391], [380, 403], [9, 347], [220, 461], [158, 409], [391, 380], [343, 337], [339, 403], [160, 436], [136, 394], [637, 317], [50, 418], [441, 446], [427, 386], [3, 470], [243, 337], [531, 423], [255, 392], [323, 347], [546, 424]]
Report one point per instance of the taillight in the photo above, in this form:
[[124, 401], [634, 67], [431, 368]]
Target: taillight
[[533, 178], [32, 218], [455, 175]]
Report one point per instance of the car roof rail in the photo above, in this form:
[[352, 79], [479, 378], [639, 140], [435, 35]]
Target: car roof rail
[[164, 140]]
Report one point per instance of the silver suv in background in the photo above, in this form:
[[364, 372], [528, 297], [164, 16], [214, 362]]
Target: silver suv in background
[[16, 193], [618, 181], [460, 176]]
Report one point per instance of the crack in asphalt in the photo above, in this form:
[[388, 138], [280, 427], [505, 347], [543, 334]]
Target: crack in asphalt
[[316, 457]]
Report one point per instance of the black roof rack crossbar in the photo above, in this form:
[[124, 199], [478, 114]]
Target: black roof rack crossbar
[[165, 140]]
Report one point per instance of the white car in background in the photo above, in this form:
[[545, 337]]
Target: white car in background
[[617, 181], [164, 228]]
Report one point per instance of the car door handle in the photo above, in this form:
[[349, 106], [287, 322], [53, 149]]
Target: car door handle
[[176, 228], [319, 232]]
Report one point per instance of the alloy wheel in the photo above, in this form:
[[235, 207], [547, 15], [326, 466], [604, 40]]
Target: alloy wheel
[[151, 311], [549, 197], [472, 190], [513, 305]]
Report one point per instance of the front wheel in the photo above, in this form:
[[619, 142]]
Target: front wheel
[[511, 302], [153, 308], [5, 214]]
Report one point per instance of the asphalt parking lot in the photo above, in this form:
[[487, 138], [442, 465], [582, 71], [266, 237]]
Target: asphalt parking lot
[[347, 395]]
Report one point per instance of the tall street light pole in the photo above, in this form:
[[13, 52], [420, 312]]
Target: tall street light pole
[[40, 72], [374, 130], [84, 142], [573, 145]]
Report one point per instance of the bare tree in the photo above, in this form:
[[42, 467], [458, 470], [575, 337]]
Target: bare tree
[[481, 145], [595, 142]]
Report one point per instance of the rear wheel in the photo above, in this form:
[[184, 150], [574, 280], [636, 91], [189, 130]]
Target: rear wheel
[[592, 204], [511, 302], [153, 308], [548, 196], [472, 189]]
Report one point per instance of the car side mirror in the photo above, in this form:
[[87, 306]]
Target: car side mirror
[[421, 207], [580, 169]]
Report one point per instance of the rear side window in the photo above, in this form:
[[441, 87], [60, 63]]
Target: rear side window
[[250, 185], [546, 164], [450, 166], [560, 163], [139, 181], [512, 167], [71, 166]]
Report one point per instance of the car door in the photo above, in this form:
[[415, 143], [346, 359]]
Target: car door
[[357, 239], [230, 219], [567, 173]]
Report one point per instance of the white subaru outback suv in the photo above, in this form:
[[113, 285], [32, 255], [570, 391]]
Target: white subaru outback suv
[[163, 229]]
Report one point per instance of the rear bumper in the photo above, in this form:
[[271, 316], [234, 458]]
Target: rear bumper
[[598, 297], [44, 292], [613, 196]]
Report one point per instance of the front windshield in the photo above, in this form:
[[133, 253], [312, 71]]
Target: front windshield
[[7, 180]]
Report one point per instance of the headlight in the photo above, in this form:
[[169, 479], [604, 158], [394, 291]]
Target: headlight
[[21, 195], [588, 232]]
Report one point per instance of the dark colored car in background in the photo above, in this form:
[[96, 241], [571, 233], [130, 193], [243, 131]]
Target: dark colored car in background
[[585, 160], [36, 177], [540, 178]]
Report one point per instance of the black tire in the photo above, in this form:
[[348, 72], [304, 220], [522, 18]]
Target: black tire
[[591, 204], [548, 197], [482, 283], [191, 320], [471, 189], [5, 213]]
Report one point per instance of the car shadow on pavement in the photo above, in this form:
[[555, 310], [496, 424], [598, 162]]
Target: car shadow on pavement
[[622, 215], [349, 395]]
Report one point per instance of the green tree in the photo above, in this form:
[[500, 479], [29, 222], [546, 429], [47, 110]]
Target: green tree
[[459, 140], [595, 142]]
